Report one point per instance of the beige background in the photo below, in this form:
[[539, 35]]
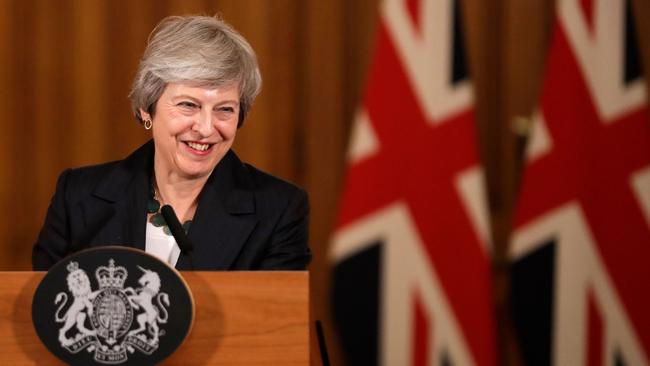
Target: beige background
[[66, 67]]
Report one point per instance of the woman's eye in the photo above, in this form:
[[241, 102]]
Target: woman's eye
[[187, 105], [225, 113]]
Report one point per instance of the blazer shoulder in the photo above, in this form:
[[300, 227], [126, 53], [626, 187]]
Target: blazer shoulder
[[86, 178], [266, 183], [112, 177]]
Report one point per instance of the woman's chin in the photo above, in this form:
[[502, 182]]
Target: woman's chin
[[188, 168], [194, 173], [191, 170]]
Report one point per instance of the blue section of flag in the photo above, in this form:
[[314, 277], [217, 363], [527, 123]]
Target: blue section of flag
[[355, 300], [632, 57], [532, 303], [459, 60]]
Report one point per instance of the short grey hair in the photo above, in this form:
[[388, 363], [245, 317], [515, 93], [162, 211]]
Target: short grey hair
[[197, 50]]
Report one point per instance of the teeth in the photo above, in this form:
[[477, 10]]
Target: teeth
[[200, 147]]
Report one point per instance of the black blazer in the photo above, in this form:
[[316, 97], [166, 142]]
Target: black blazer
[[245, 220]]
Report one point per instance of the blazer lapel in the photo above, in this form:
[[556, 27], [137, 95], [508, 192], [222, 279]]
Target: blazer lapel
[[123, 192], [224, 218]]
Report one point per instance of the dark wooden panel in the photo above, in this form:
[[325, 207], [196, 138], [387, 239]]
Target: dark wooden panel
[[7, 102]]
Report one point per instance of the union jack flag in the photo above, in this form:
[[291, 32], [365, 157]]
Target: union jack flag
[[581, 243], [412, 280]]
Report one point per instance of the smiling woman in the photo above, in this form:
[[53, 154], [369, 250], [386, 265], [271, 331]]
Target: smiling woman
[[196, 83], [193, 129]]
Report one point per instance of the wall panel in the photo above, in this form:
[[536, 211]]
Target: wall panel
[[7, 106]]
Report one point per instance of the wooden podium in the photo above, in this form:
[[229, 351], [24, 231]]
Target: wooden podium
[[241, 318]]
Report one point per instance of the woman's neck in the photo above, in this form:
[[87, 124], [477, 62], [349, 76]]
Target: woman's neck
[[180, 192]]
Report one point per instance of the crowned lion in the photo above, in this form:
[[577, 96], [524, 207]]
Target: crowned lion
[[79, 286]]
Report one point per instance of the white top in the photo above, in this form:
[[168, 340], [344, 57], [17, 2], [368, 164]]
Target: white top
[[161, 245]]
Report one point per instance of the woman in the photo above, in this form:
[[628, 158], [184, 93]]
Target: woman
[[195, 85]]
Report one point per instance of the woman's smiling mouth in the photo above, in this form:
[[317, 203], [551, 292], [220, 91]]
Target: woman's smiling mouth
[[197, 146]]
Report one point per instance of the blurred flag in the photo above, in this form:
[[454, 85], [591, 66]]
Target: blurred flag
[[581, 244], [411, 280]]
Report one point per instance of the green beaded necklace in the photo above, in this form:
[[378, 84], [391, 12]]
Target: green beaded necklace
[[157, 219]]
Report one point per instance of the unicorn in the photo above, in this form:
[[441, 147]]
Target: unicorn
[[143, 297]]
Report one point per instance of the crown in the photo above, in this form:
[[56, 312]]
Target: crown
[[72, 266], [111, 276]]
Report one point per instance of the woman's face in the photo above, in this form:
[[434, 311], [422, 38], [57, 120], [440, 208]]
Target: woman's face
[[193, 128]]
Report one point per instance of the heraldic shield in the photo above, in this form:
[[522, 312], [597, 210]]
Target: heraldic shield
[[112, 306]]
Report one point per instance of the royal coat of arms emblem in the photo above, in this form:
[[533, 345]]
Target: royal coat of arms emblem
[[108, 318], [111, 311]]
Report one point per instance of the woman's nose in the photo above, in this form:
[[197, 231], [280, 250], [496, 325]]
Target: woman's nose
[[203, 124]]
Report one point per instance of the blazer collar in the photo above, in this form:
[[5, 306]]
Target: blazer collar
[[126, 188], [223, 219]]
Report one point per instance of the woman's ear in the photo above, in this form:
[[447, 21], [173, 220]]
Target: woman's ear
[[144, 115]]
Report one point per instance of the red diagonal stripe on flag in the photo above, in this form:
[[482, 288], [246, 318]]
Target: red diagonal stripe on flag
[[421, 329], [594, 333]]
